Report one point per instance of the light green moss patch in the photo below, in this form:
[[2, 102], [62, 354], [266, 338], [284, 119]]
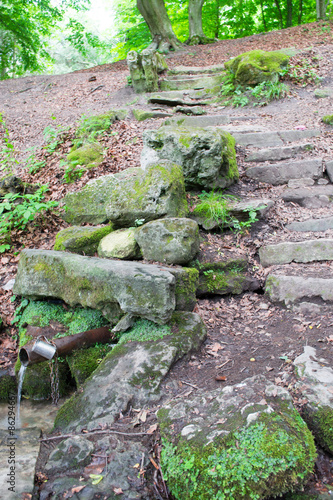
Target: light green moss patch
[[142, 114], [81, 240], [89, 155], [328, 119], [144, 330], [320, 421], [186, 286]]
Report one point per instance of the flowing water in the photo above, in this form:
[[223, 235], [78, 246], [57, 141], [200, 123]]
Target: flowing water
[[19, 392]]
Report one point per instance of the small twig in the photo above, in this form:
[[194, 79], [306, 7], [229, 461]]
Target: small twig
[[223, 364], [97, 88], [107, 431], [24, 90], [164, 485], [191, 385], [157, 493], [241, 371]]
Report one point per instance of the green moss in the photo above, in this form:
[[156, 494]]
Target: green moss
[[142, 114], [91, 127], [81, 240], [257, 66], [265, 459], [83, 362], [185, 140], [320, 421], [229, 156], [7, 386], [68, 411], [222, 282], [89, 155], [144, 330], [328, 119], [186, 286], [40, 313]]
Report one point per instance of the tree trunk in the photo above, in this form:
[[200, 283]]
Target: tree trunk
[[156, 17], [289, 13], [321, 7], [300, 11], [263, 15], [217, 19], [196, 35], [277, 3]]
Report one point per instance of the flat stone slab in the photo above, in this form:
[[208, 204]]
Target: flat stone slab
[[131, 374], [314, 225], [311, 197], [281, 173], [113, 287], [324, 92], [273, 138], [198, 121], [329, 170], [181, 97], [292, 289], [223, 431], [300, 251], [315, 377], [276, 154], [195, 70], [196, 82], [24, 444]]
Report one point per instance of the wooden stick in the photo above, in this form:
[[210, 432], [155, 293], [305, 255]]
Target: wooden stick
[[191, 385]]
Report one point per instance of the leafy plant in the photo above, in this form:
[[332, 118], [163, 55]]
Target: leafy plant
[[34, 165], [7, 159], [17, 211], [215, 206], [242, 227], [53, 136]]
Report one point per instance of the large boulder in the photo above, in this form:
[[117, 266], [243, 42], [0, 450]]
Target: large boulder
[[172, 240], [315, 382], [81, 240], [132, 372], [206, 155], [129, 196], [257, 66], [113, 287], [246, 441]]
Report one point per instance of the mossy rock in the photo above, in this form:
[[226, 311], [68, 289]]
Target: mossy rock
[[328, 119], [91, 127], [236, 445], [257, 66], [81, 240], [83, 362], [89, 155], [7, 385], [142, 114]]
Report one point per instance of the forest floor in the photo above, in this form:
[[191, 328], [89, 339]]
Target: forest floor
[[247, 335]]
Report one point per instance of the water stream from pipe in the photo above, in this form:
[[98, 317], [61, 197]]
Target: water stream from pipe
[[19, 391]]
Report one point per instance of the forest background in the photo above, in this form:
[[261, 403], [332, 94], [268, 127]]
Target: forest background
[[60, 36]]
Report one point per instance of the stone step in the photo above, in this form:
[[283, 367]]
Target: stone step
[[195, 70], [194, 82], [198, 121], [179, 97], [293, 289], [276, 154], [314, 225], [296, 251], [281, 173], [272, 138], [310, 197]]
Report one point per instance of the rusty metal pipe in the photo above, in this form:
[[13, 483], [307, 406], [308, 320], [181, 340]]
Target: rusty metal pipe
[[66, 345]]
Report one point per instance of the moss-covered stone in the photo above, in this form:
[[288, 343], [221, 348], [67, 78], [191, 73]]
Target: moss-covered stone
[[232, 449], [257, 66], [120, 244], [7, 385], [320, 421], [91, 127], [89, 155], [142, 114], [81, 240], [207, 155], [83, 362], [328, 119], [187, 281]]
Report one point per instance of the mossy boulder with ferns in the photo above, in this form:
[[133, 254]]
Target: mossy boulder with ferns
[[257, 66]]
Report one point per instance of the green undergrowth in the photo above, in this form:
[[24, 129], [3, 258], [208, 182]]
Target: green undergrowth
[[259, 95], [217, 206], [144, 330], [328, 119]]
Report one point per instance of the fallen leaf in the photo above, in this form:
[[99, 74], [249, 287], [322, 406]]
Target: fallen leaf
[[96, 478], [221, 421], [221, 378], [77, 489], [118, 491], [152, 429], [216, 347]]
